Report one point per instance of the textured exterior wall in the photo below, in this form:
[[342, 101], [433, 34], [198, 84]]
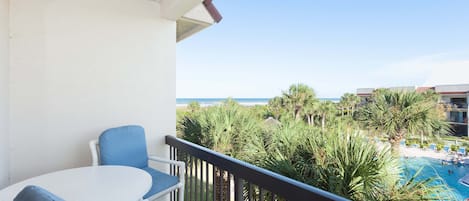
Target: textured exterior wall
[[4, 95]]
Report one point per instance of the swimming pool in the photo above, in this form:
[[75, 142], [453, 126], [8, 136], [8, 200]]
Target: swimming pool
[[434, 167]]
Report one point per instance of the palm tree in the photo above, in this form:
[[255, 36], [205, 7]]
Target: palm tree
[[349, 102], [311, 109], [193, 106], [400, 113], [344, 104], [344, 164], [227, 128], [326, 109], [297, 97], [276, 107], [430, 188], [354, 101]]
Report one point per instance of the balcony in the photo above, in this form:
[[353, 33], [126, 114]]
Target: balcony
[[457, 107], [214, 176]]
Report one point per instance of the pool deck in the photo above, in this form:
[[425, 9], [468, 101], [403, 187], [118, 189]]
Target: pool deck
[[417, 152]]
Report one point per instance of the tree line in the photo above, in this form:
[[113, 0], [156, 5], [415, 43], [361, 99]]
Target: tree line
[[325, 144]]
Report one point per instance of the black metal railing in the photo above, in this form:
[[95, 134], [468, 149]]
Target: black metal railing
[[217, 177]]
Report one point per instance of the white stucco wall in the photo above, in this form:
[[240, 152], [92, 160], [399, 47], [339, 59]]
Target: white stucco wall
[[79, 67], [4, 159]]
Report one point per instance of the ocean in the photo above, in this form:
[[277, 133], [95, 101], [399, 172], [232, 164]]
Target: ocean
[[182, 102]]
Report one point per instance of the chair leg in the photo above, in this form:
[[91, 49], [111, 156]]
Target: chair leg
[[181, 193]]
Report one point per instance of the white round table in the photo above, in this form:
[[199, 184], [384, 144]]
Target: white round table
[[116, 183]]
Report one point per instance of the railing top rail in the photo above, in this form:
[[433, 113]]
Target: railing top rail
[[285, 187]]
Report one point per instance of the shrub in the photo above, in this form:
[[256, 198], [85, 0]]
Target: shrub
[[439, 147], [410, 141], [407, 143], [423, 145], [454, 147], [465, 144]]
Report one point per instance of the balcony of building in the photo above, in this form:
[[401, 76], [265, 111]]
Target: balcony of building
[[71, 69]]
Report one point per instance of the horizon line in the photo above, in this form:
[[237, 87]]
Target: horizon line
[[245, 98]]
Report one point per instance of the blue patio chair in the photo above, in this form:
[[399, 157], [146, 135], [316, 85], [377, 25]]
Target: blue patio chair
[[126, 146], [36, 193], [446, 148], [432, 147], [462, 150], [402, 143]]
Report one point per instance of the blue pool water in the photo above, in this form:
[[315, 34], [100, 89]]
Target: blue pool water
[[434, 167]]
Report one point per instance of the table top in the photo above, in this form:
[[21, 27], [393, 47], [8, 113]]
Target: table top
[[89, 183]]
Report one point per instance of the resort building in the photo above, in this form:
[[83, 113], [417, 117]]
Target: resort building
[[454, 97]]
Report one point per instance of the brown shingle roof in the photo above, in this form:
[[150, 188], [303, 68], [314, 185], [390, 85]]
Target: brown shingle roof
[[423, 89], [212, 10]]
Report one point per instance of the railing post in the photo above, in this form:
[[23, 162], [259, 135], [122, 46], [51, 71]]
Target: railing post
[[239, 188]]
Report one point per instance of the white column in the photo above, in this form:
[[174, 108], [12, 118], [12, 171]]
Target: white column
[[4, 94]]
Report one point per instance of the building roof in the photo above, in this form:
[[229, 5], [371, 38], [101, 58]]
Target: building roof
[[424, 89], [212, 10], [365, 91], [452, 89], [198, 18]]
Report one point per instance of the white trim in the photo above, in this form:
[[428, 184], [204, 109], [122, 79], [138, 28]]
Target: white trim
[[175, 9]]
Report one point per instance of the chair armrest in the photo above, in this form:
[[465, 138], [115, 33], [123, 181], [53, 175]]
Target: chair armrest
[[94, 152], [163, 160], [181, 166]]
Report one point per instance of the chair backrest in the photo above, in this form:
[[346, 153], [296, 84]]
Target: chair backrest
[[124, 145], [36, 193], [462, 150], [432, 146], [446, 148]]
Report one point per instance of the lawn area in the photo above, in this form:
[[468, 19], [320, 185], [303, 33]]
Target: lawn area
[[454, 141]]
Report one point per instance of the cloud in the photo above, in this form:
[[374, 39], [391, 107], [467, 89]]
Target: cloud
[[449, 72], [436, 69]]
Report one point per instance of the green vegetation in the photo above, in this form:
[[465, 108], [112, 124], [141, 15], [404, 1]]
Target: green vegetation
[[348, 103], [225, 128], [323, 143], [398, 114]]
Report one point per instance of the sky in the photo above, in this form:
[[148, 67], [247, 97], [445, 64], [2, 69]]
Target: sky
[[261, 47]]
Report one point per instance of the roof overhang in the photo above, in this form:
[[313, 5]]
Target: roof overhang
[[363, 95], [191, 16], [364, 91], [452, 89]]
